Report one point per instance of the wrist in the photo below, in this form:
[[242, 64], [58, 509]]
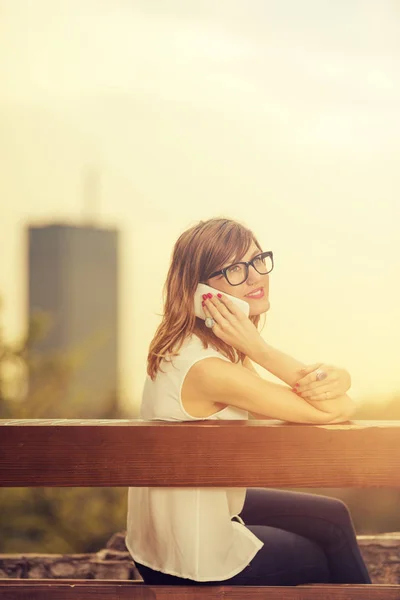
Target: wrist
[[262, 355]]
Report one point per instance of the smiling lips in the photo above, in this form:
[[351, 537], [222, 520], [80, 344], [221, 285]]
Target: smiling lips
[[258, 293]]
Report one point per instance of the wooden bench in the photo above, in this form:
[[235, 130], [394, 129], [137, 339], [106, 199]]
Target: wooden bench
[[233, 454]]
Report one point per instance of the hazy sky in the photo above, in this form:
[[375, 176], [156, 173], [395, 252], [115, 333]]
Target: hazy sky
[[283, 114]]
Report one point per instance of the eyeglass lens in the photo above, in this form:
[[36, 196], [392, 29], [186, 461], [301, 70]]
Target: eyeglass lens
[[238, 272]]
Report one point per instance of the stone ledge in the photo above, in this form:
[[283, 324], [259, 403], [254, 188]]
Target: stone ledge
[[66, 566], [112, 562], [381, 554]]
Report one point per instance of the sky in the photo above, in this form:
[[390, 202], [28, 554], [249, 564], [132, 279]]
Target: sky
[[282, 114]]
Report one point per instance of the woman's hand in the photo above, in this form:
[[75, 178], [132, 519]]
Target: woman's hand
[[232, 326], [336, 383]]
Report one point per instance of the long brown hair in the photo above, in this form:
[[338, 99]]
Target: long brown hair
[[199, 251]]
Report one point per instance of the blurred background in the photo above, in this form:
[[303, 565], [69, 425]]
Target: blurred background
[[122, 123]]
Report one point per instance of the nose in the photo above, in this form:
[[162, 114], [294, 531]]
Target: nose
[[253, 276]]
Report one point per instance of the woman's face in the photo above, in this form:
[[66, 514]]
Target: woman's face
[[254, 291]]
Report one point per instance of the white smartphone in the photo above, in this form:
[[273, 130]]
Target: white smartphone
[[202, 288]]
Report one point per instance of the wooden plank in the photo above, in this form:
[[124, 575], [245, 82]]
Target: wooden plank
[[125, 590], [229, 453]]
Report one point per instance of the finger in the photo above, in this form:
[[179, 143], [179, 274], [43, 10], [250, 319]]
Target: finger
[[307, 379], [304, 382], [327, 383], [309, 369], [206, 311], [232, 308], [322, 397], [213, 311], [216, 301], [318, 393]]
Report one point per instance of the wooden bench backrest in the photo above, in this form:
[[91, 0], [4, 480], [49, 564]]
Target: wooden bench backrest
[[242, 454]]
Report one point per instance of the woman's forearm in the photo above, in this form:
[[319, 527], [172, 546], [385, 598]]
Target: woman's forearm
[[287, 369], [283, 366]]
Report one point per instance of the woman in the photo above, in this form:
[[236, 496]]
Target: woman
[[203, 370]]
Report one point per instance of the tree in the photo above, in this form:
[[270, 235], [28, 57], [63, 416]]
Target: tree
[[50, 519]]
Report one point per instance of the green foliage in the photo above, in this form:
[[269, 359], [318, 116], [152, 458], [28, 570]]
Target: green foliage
[[61, 520]]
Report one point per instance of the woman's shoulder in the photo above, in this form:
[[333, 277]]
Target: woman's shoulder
[[193, 347], [183, 356]]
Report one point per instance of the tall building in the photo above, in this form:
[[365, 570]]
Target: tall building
[[73, 277]]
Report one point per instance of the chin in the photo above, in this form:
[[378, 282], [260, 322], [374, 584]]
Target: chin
[[259, 310]]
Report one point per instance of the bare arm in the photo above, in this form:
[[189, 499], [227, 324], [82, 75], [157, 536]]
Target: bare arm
[[322, 405], [249, 365], [283, 366], [230, 384], [234, 328]]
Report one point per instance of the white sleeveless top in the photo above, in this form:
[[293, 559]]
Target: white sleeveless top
[[187, 532]]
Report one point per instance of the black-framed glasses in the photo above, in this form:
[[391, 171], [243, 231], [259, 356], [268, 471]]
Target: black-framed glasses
[[238, 272]]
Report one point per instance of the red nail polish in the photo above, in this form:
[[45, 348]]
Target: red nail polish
[[219, 295], [209, 295], [204, 296], [203, 303]]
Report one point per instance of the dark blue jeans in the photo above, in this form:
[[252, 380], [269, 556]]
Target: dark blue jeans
[[307, 539]]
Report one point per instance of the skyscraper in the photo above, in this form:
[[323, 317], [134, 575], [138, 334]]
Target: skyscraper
[[73, 277]]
